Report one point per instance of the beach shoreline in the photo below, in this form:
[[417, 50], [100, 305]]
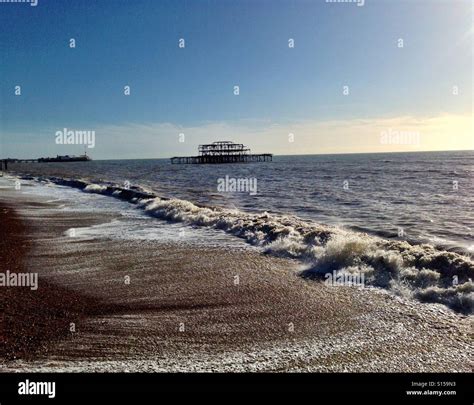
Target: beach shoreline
[[195, 308]]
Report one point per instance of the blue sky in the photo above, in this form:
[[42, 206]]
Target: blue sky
[[229, 43]]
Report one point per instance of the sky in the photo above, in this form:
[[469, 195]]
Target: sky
[[407, 65]]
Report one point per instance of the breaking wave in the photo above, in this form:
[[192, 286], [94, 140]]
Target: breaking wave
[[418, 271]]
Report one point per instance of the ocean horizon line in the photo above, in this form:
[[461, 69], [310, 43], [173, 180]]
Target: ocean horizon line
[[282, 155]]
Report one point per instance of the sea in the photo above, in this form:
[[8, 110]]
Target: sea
[[403, 220]]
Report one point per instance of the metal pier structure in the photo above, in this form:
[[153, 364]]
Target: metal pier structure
[[4, 162], [58, 159], [222, 152]]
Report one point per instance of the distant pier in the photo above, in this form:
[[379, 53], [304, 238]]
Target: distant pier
[[4, 162], [58, 159], [223, 152]]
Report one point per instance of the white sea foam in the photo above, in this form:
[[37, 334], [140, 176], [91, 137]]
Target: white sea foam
[[418, 271], [94, 188]]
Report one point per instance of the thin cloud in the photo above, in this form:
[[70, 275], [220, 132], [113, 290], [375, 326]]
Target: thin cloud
[[162, 139]]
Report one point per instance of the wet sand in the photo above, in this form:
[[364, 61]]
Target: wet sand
[[123, 305]]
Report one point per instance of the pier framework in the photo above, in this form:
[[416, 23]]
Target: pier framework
[[222, 152], [4, 162]]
